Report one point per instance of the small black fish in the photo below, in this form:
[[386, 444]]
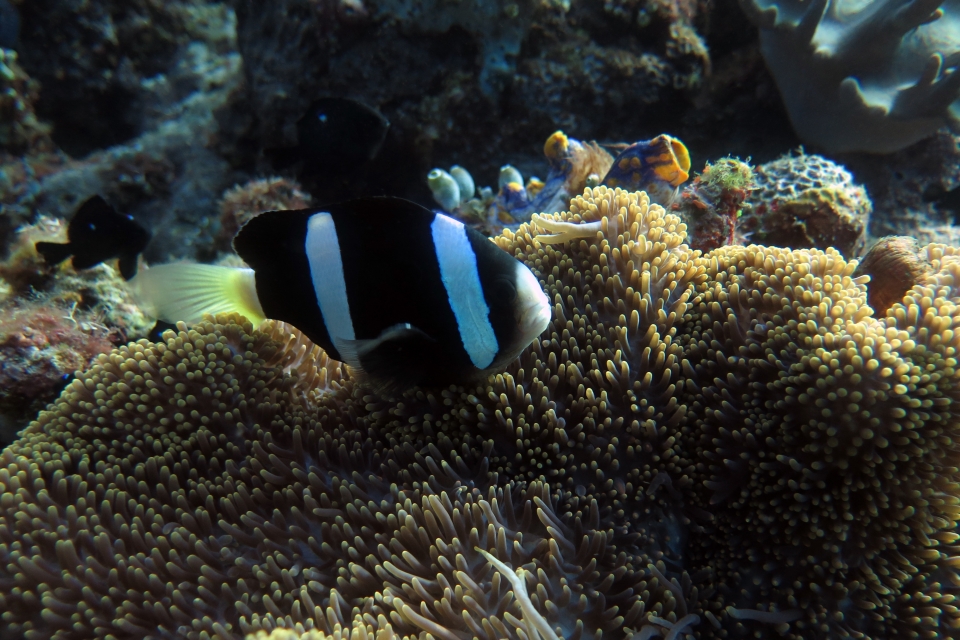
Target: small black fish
[[334, 137], [156, 333], [97, 232], [9, 25], [945, 201], [402, 294]]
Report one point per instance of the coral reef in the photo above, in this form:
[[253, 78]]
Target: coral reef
[[803, 200], [863, 76], [27, 153], [42, 344], [242, 202], [728, 444], [895, 265], [55, 320], [909, 189], [798, 201], [712, 204], [499, 27], [453, 81], [657, 166], [20, 130], [108, 68], [162, 93]]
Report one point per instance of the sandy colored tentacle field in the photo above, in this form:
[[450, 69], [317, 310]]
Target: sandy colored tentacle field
[[715, 445]]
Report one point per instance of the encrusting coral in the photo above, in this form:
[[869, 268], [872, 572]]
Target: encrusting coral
[[895, 265], [804, 200], [711, 205], [718, 445], [54, 321]]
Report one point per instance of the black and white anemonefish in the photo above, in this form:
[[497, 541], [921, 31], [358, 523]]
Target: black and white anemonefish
[[402, 294]]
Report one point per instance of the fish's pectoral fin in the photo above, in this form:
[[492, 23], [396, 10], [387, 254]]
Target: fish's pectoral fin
[[393, 361], [127, 265], [54, 252]]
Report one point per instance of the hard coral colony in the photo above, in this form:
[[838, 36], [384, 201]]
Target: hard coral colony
[[711, 445]]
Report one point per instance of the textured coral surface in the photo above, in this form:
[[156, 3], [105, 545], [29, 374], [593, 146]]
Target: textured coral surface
[[472, 83], [804, 200], [53, 322], [727, 445]]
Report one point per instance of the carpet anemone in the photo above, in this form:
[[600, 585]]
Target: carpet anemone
[[720, 444]]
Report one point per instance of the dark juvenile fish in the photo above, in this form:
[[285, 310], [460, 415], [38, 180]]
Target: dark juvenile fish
[[156, 333], [97, 232], [9, 25], [946, 201], [335, 136], [404, 295]]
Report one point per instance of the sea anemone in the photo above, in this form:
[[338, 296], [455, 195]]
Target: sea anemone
[[723, 444]]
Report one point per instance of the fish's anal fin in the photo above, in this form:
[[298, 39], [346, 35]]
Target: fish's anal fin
[[54, 252], [394, 361], [128, 265]]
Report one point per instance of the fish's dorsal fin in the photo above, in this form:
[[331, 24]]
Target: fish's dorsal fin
[[392, 361]]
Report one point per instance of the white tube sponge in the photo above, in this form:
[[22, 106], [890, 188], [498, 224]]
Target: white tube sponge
[[863, 75], [464, 181], [445, 189], [508, 174]]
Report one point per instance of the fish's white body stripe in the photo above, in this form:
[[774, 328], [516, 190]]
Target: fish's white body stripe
[[326, 272], [458, 270]]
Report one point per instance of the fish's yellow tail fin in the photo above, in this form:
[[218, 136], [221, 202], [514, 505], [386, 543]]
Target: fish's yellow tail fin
[[185, 291]]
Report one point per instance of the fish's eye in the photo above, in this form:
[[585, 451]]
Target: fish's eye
[[504, 290]]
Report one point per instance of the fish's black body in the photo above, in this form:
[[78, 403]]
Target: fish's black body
[[9, 25], [97, 232], [405, 294], [335, 136]]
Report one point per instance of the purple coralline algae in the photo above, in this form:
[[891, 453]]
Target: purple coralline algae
[[711, 205], [53, 322]]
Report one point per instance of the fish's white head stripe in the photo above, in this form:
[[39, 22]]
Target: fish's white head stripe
[[461, 279], [326, 272]]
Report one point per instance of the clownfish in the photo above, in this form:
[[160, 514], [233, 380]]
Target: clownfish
[[402, 294]]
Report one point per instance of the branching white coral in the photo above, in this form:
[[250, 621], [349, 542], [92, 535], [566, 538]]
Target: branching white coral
[[565, 231], [536, 625], [669, 630], [781, 619], [863, 75]]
